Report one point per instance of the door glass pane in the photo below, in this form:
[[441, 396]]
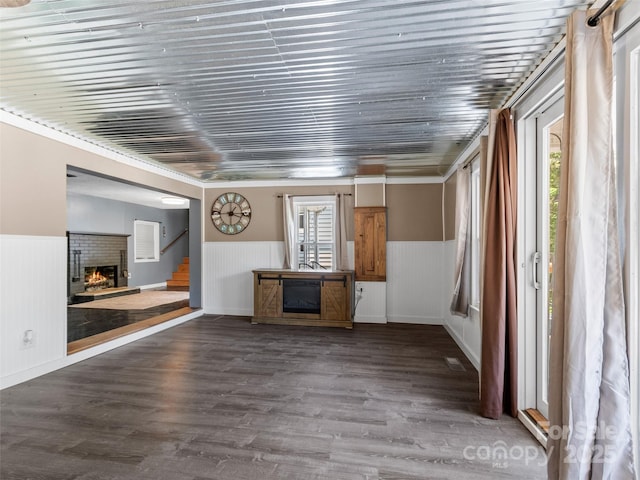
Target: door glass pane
[[553, 156], [549, 159]]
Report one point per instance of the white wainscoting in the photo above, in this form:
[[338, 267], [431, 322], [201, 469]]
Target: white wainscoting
[[415, 282], [465, 331], [413, 292], [227, 274], [33, 297], [371, 306]]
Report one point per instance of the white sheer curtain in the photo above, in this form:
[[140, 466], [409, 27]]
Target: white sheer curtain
[[288, 216], [589, 409], [462, 288], [340, 233]]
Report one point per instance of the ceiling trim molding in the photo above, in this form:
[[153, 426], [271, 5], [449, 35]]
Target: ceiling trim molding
[[370, 179], [411, 180], [53, 134], [331, 182]]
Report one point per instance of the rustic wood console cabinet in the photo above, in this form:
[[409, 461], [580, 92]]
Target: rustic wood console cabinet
[[303, 297]]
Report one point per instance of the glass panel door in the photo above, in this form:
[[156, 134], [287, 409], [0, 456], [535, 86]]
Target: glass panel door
[[549, 153]]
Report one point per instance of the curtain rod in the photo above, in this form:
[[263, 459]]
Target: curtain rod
[[470, 161], [316, 195], [594, 19]]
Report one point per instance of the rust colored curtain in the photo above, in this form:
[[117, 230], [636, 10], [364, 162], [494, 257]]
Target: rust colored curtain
[[498, 368], [589, 407]]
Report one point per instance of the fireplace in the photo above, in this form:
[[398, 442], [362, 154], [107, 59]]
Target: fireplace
[[301, 296], [95, 261], [100, 277]]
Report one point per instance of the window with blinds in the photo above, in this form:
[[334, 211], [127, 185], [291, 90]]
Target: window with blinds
[[315, 236], [146, 241]]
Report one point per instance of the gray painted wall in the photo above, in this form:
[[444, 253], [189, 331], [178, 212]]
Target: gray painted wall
[[87, 214], [195, 253]]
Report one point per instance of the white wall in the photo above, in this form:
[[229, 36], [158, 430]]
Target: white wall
[[412, 293], [371, 302], [465, 331], [228, 278], [415, 284], [33, 296]]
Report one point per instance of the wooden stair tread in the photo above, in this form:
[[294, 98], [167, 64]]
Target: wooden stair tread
[[180, 278]]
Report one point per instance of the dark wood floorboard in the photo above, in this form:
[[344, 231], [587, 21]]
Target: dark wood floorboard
[[219, 398], [86, 322]]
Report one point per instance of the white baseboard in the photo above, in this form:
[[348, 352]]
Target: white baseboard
[[414, 320], [475, 361], [370, 319], [20, 377], [234, 312]]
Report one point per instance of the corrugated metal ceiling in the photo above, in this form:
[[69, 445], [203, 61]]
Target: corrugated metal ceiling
[[271, 89]]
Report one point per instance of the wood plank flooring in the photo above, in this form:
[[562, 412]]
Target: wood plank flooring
[[99, 338], [87, 322], [219, 398]]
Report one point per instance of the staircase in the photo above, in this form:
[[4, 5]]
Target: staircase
[[180, 278]]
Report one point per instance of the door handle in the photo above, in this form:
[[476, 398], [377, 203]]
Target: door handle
[[535, 261]]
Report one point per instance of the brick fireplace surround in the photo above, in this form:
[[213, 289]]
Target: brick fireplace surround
[[95, 250]]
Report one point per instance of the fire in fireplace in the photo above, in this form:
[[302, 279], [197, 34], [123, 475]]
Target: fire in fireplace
[[99, 277]]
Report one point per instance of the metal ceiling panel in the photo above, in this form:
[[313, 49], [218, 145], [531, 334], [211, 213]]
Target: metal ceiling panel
[[233, 89]]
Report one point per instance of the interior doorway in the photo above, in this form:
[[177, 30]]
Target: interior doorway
[[136, 292]]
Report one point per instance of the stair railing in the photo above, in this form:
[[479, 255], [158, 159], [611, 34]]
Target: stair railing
[[182, 234]]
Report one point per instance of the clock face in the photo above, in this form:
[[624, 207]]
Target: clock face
[[231, 213]]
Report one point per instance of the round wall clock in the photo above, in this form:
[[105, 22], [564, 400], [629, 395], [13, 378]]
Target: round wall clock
[[231, 213]]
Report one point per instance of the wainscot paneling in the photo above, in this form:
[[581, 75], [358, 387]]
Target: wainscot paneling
[[465, 331], [228, 281], [413, 292], [33, 298], [415, 282], [227, 277], [371, 302]]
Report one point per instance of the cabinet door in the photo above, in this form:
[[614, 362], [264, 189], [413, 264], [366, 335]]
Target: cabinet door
[[269, 299], [335, 304], [370, 243]]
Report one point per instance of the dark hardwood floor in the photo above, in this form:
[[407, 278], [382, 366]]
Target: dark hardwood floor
[[85, 322], [219, 398]]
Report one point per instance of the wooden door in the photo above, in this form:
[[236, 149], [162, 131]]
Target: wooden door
[[335, 304], [268, 299], [370, 243]]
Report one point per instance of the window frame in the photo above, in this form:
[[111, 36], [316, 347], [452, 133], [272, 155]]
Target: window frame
[[475, 232], [140, 228], [304, 203]]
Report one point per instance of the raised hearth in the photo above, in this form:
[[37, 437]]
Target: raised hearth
[[104, 293]]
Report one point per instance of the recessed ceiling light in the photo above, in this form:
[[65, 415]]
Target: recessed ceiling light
[[173, 200]]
